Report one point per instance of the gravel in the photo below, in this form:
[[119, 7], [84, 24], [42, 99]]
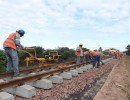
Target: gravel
[[75, 85]]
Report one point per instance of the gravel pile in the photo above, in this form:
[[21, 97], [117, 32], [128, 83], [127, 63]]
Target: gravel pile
[[76, 84]]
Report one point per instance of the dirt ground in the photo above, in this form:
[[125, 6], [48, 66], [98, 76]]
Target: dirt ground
[[117, 85]]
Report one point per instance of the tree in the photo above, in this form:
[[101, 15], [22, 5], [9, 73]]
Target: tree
[[128, 50], [66, 53], [2, 61], [100, 49]]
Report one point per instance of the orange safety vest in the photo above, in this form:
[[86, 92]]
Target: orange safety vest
[[117, 53], [77, 53], [112, 53], [85, 53], [120, 53], [95, 53], [101, 53], [10, 41]]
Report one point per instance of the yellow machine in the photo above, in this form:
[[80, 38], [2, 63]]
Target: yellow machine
[[52, 56]]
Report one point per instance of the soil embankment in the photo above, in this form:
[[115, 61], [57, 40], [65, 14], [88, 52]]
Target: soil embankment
[[117, 86]]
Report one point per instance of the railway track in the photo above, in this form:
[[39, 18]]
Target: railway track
[[36, 69], [57, 69]]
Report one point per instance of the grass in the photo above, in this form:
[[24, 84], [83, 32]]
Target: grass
[[128, 97]]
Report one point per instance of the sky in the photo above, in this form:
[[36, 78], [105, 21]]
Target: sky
[[67, 23]]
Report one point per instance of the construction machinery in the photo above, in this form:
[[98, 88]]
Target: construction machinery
[[52, 56]]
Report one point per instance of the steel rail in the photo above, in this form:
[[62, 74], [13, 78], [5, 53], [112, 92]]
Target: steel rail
[[37, 68], [23, 80]]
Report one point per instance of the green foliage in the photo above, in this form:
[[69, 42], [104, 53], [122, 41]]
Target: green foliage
[[65, 53], [39, 51], [2, 61], [128, 50], [100, 49], [112, 48], [104, 52], [128, 97], [85, 49]]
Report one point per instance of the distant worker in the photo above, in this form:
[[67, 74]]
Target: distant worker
[[112, 54], [119, 54], [11, 45], [79, 54], [123, 54]]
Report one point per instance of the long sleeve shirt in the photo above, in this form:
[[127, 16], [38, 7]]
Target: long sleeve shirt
[[80, 49], [17, 41]]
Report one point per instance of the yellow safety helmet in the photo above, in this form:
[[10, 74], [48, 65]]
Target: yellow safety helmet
[[90, 50], [81, 44]]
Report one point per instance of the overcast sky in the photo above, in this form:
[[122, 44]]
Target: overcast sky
[[66, 23]]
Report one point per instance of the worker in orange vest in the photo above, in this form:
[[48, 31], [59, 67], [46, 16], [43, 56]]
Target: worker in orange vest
[[11, 45], [79, 54], [112, 54], [96, 57], [101, 55], [119, 54], [87, 56]]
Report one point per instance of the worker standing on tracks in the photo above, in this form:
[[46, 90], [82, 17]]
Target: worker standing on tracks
[[119, 54], [113, 54], [11, 45], [79, 54]]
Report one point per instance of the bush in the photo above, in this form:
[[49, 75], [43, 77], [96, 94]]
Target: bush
[[128, 50], [66, 53], [3, 61]]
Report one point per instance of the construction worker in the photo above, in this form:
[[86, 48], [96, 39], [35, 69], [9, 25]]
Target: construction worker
[[11, 45], [96, 57], [90, 55], [101, 55], [119, 54], [87, 56], [112, 54], [79, 54]]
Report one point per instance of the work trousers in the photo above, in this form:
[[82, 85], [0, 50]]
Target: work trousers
[[79, 59], [12, 60], [86, 58], [96, 60], [101, 60]]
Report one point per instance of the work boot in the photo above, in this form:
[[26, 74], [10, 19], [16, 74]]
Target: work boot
[[98, 66], [16, 75]]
